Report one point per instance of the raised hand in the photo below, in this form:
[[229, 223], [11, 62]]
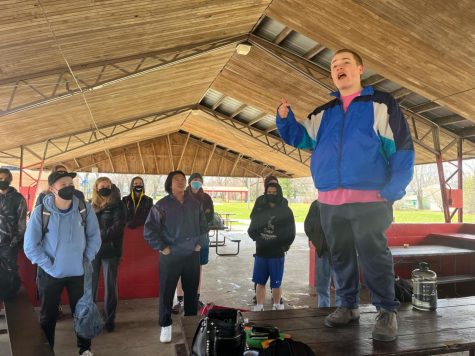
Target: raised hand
[[283, 109]]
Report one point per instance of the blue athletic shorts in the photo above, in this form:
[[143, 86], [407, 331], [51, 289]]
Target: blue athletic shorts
[[204, 254], [268, 267]]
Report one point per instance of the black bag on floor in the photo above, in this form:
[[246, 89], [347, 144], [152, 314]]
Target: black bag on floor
[[403, 290], [287, 347], [9, 279], [221, 333]]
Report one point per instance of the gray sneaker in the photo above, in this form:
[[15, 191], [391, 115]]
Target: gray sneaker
[[385, 328], [341, 317]]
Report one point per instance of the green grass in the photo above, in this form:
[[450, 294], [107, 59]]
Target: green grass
[[242, 211]]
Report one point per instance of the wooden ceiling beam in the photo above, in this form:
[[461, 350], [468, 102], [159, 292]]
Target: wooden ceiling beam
[[155, 158], [314, 51], [448, 120], [282, 35], [183, 151], [209, 160], [257, 119], [425, 107], [113, 77], [239, 110], [373, 80], [400, 93], [194, 159], [238, 158], [125, 160], [110, 159], [170, 153], [218, 102], [141, 158]]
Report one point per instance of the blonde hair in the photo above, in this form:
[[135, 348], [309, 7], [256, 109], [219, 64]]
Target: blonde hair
[[98, 201]]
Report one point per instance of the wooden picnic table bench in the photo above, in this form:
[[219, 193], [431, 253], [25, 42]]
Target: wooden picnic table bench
[[24, 331], [451, 328]]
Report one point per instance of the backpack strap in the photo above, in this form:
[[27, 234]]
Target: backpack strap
[[83, 212], [45, 215]]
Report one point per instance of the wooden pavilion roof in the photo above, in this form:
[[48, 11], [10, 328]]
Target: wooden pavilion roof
[[151, 86]]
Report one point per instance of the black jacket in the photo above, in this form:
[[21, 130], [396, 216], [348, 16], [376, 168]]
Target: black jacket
[[111, 220], [273, 229], [206, 203], [313, 229], [137, 217], [12, 218]]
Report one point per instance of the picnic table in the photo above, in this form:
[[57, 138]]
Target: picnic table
[[449, 329]]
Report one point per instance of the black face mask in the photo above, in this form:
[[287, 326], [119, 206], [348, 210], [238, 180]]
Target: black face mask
[[105, 192], [4, 184], [138, 188], [66, 193], [271, 198]]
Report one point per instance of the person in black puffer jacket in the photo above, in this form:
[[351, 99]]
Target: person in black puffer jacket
[[12, 229], [111, 214], [273, 229], [137, 203]]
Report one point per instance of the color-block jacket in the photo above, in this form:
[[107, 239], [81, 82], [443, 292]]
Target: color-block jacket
[[368, 147]]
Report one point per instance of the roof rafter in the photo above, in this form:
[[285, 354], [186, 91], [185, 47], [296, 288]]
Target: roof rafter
[[60, 89]]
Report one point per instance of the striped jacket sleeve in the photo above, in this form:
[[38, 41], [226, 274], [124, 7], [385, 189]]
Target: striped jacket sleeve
[[299, 134], [396, 144]]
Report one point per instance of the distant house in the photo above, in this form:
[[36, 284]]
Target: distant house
[[227, 193]]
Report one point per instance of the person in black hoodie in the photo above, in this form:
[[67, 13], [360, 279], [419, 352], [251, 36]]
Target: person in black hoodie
[[12, 228], [111, 214], [273, 229], [137, 203], [261, 201]]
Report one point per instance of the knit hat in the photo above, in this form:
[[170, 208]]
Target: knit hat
[[195, 175]]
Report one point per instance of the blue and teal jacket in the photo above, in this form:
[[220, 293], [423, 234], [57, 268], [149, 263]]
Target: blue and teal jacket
[[66, 243], [368, 147]]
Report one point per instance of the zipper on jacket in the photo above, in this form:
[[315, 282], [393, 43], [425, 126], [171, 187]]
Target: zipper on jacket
[[340, 144]]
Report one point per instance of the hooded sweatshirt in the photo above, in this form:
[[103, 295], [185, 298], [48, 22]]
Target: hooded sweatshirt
[[64, 246], [273, 228]]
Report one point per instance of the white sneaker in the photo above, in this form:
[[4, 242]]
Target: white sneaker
[[87, 353], [166, 334], [257, 307], [278, 307]]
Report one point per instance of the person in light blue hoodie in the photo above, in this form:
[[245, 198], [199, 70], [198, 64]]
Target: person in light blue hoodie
[[60, 253]]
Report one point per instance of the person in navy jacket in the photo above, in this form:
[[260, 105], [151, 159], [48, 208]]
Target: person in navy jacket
[[177, 227]]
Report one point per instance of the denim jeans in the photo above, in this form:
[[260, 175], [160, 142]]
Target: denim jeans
[[110, 266], [323, 272]]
